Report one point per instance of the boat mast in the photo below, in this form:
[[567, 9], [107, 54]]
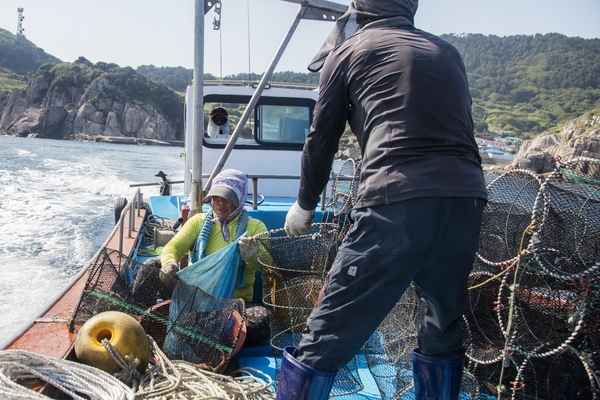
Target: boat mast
[[200, 9]]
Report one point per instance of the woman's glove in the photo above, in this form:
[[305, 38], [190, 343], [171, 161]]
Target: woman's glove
[[170, 269], [298, 221], [247, 247]]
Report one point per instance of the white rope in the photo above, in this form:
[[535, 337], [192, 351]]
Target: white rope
[[168, 379], [67, 376], [165, 379]]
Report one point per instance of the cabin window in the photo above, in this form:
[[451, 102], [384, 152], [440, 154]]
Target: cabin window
[[221, 120], [276, 122], [283, 124]]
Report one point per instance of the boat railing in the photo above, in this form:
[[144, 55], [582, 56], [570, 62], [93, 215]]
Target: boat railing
[[253, 177], [132, 208], [254, 84]]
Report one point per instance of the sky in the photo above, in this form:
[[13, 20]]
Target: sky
[[161, 33]]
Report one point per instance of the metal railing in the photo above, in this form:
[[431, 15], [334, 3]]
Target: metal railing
[[254, 179], [133, 205]]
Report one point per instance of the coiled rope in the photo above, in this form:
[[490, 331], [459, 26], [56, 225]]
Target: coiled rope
[[155, 221], [166, 379], [67, 376]]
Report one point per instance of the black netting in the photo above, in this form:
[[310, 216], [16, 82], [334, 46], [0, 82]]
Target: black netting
[[508, 213], [484, 339], [533, 319], [293, 273], [567, 239], [185, 321]]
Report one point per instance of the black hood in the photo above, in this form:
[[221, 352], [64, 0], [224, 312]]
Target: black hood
[[364, 14]]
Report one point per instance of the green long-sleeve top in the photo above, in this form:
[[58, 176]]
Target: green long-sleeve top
[[185, 240]]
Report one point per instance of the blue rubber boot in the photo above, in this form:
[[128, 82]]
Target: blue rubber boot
[[301, 382], [436, 379]]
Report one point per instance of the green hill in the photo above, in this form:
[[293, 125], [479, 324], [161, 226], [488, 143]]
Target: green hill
[[19, 59], [523, 84], [530, 84]]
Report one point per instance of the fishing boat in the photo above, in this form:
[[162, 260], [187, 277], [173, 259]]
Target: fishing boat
[[262, 134], [532, 320]]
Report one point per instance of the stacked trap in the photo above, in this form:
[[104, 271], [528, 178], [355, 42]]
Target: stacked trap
[[295, 269], [532, 323], [533, 317], [185, 322]]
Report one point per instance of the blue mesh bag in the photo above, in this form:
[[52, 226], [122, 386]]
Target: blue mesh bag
[[219, 273]]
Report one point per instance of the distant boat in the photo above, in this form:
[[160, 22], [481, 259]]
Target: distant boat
[[493, 152]]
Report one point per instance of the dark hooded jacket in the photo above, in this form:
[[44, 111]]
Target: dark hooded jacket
[[405, 95]]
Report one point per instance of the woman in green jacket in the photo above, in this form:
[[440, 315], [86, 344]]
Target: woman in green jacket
[[206, 233]]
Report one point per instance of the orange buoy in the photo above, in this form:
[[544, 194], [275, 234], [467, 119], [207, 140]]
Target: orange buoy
[[123, 332]]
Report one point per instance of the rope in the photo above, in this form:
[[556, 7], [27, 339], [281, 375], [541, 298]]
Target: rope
[[166, 379], [67, 376], [528, 231], [155, 221]]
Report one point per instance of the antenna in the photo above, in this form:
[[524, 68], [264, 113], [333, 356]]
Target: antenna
[[20, 28]]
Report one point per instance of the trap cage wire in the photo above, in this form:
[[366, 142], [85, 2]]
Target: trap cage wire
[[532, 321], [345, 188], [506, 216], [484, 338], [293, 273], [186, 322], [566, 243]]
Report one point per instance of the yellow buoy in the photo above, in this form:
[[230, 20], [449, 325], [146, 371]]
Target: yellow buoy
[[123, 332]]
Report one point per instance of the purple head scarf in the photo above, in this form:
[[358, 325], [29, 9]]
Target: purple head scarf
[[232, 185]]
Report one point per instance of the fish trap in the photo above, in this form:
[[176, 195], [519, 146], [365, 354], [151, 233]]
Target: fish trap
[[388, 352], [567, 374], [538, 313], [294, 270], [345, 188], [506, 217], [188, 323], [293, 273], [484, 338], [344, 192], [566, 243]]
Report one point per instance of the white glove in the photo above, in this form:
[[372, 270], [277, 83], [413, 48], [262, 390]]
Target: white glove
[[298, 221], [247, 247]]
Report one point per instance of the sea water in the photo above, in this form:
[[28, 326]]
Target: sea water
[[57, 202]]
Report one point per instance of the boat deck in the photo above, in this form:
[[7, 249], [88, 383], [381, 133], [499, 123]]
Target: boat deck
[[272, 212]]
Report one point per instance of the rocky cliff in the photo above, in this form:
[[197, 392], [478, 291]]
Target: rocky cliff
[[579, 138], [58, 106]]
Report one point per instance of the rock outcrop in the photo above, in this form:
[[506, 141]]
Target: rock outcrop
[[75, 113], [579, 138]]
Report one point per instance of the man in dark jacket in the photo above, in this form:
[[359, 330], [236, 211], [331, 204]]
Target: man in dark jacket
[[420, 199]]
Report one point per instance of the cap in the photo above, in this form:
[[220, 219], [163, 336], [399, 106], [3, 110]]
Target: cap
[[224, 192]]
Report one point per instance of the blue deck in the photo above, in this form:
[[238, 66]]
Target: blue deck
[[254, 358], [273, 212]]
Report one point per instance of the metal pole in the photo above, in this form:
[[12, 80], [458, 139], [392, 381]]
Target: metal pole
[[198, 108], [255, 97]]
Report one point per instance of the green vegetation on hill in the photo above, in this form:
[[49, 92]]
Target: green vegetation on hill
[[126, 85], [19, 55], [529, 84], [177, 78], [523, 84], [19, 59]]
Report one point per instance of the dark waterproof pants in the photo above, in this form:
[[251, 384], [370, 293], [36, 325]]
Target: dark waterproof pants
[[431, 241]]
